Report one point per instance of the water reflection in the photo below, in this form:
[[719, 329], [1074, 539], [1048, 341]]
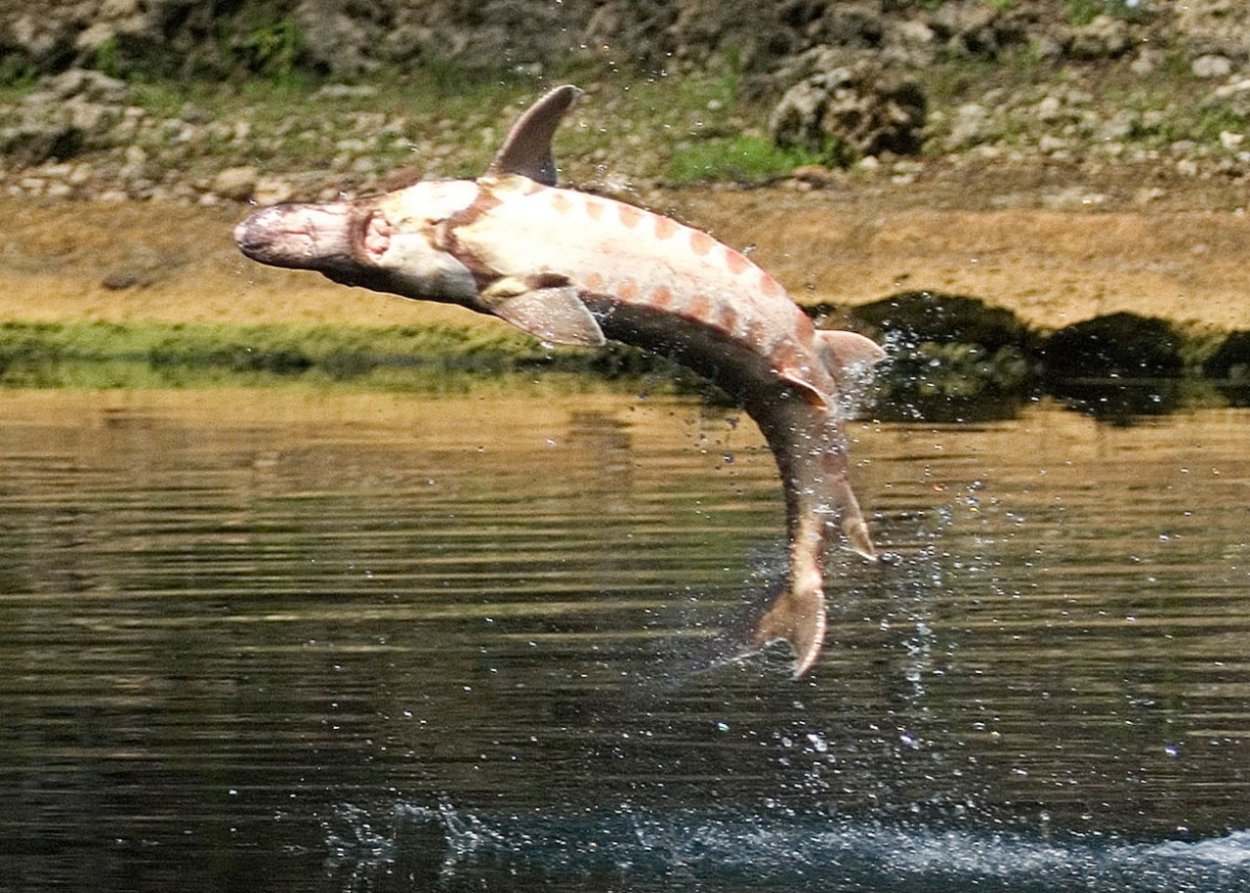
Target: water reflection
[[242, 633]]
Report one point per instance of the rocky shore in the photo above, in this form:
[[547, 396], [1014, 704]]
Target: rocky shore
[[177, 100], [911, 169]]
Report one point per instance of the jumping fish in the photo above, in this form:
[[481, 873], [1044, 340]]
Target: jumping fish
[[576, 268]]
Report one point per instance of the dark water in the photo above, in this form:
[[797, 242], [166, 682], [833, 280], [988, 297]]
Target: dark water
[[272, 640]]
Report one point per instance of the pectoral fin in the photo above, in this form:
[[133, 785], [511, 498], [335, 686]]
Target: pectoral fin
[[554, 314]]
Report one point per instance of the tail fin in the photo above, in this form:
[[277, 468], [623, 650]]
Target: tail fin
[[796, 614]]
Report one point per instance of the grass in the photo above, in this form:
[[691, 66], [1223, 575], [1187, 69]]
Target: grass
[[449, 122], [156, 354], [741, 159]]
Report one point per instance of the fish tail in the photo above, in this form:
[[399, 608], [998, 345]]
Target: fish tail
[[794, 614], [797, 615]]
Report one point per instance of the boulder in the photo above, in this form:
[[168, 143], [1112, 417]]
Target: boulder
[[1104, 37], [236, 183], [860, 110]]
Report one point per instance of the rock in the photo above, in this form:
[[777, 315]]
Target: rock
[[91, 86], [852, 25], [968, 27], [340, 43], [755, 33], [1211, 67], [816, 176], [236, 183], [972, 126], [272, 191], [346, 91], [858, 108], [1146, 61], [1211, 27], [33, 142], [910, 43], [1104, 37], [1235, 96], [123, 279]]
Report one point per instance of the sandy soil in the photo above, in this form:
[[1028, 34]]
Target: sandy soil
[[1184, 260]]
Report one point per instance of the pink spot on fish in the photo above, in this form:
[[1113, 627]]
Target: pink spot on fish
[[594, 208], [627, 290], [771, 287], [735, 261], [701, 242], [594, 281], [700, 308], [785, 358], [661, 296], [665, 227], [630, 216], [560, 203]]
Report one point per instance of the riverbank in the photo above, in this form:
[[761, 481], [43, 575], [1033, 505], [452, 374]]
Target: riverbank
[[1052, 255], [983, 284]]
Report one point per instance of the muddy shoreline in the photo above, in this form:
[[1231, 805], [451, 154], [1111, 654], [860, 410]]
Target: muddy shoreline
[[1006, 242]]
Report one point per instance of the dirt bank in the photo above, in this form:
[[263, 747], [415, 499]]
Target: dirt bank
[[119, 261]]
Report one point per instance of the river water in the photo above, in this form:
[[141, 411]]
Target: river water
[[285, 640]]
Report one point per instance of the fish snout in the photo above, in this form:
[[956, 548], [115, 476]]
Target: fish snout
[[300, 236]]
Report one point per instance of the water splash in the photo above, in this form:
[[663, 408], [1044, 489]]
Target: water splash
[[779, 850]]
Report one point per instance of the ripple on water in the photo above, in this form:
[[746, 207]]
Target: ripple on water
[[222, 615]]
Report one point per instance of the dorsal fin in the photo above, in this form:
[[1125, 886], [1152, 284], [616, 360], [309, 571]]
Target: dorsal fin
[[527, 150]]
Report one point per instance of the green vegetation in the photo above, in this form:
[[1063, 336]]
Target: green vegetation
[[272, 49], [742, 159], [1082, 12], [152, 354], [449, 121]]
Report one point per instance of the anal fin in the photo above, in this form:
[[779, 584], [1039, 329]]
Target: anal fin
[[850, 358], [812, 394]]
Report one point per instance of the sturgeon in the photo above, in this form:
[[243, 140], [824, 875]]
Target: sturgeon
[[576, 268]]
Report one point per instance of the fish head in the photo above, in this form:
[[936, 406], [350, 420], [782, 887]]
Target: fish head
[[389, 243]]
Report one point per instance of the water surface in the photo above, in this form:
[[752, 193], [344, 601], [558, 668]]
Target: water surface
[[269, 639]]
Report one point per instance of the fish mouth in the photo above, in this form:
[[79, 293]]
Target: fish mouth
[[301, 236]]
